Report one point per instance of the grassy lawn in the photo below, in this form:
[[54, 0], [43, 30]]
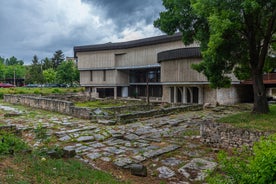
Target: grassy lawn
[[21, 167], [32, 169], [42, 91], [262, 122], [106, 103]]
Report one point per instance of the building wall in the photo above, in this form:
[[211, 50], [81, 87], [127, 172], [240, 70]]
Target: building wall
[[181, 71], [138, 56], [99, 59], [98, 77], [112, 77], [232, 95], [141, 56]]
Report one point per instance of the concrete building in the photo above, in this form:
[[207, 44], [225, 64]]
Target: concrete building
[[160, 66]]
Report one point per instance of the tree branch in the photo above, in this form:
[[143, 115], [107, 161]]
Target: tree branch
[[267, 40]]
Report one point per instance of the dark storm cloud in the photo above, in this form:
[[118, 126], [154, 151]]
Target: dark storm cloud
[[129, 12]]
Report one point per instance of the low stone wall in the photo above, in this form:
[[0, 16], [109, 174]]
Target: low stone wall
[[226, 136], [125, 118], [114, 113], [61, 106], [41, 103]]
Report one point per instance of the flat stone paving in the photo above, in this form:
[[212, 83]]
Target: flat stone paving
[[169, 146]]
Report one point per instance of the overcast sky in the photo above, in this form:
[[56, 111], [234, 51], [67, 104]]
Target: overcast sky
[[40, 27]]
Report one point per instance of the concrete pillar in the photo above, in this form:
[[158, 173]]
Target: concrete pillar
[[184, 95], [175, 94], [200, 94], [191, 94], [115, 93], [125, 91]]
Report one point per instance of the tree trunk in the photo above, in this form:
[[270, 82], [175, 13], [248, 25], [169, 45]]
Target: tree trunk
[[260, 99]]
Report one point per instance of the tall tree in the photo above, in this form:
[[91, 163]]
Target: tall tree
[[58, 58], [234, 37], [67, 72], [2, 69], [49, 76], [35, 74], [13, 61], [47, 63]]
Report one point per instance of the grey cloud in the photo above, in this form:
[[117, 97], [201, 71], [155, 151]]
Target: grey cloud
[[129, 12], [31, 27]]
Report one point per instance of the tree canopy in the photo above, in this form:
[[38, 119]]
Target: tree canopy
[[234, 36], [67, 73]]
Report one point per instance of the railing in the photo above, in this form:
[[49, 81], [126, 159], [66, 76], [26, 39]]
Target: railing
[[269, 78]]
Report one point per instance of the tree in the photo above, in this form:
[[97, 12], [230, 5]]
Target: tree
[[35, 72], [234, 38], [58, 58], [13, 61], [49, 75], [67, 72], [18, 71], [47, 63], [2, 69]]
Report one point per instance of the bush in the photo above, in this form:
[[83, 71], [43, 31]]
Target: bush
[[40, 132], [55, 90], [1, 95], [257, 168], [10, 144]]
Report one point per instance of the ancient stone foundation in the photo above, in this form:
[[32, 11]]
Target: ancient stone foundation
[[226, 136], [115, 114]]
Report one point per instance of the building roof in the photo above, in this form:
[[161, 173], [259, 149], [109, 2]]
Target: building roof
[[190, 52], [129, 44]]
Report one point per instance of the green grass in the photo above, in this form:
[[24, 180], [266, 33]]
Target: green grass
[[262, 122], [32, 169], [42, 91], [21, 166], [102, 103]]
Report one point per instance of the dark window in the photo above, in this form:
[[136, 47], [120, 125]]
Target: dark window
[[104, 75], [91, 75], [141, 76], [172, 94]]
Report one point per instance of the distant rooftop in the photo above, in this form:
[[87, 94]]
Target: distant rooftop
[[129, 44]]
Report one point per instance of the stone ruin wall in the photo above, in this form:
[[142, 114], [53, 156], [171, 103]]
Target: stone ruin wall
[[61, 106], [226, 136], [67, 107]]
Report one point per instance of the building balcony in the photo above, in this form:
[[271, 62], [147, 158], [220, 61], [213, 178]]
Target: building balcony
[[269, 79]]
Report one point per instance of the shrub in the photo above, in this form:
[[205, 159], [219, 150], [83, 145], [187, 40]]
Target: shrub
[[40, 132], [37, 92], [257, 168], [1, 95], [10, 144], [55, 90]]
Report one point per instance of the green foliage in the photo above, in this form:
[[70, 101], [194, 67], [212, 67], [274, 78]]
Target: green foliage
[[56, 90], [1, 95], [57, 59], [10, 144], [32, 168], [40, 132], [229, 40], [67, 73], [259, 168], [49, 75], [35, 75], [13, 61]]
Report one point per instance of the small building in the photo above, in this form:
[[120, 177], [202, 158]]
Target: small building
[[159, 66]]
